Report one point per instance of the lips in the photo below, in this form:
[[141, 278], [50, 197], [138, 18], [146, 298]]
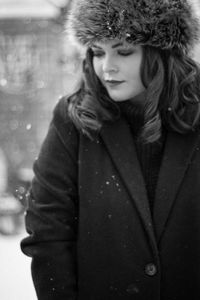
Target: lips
[[113, 82]]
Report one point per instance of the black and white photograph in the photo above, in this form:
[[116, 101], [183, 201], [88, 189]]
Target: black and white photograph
[[100, 149]]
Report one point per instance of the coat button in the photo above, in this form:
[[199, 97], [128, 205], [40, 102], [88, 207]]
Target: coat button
[[150, 269]]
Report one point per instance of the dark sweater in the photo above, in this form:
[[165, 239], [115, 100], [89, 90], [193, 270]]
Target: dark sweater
[[149, 154]]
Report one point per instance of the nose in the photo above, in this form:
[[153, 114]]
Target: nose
[[109, 64]]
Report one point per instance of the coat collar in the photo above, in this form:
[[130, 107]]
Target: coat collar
[[177, 154], [120, 145], [176, 159]]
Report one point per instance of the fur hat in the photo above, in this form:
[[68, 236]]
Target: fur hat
[[165, 24]]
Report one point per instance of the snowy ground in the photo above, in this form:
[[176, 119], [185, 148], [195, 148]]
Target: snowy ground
[[15, 277]]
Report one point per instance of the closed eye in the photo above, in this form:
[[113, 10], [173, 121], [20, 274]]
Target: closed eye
[[125, 52], [121, 52]]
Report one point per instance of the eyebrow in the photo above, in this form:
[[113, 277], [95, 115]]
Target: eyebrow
[[117, 45], [113, 46]]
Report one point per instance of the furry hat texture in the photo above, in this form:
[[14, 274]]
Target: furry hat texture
[[165, 24]]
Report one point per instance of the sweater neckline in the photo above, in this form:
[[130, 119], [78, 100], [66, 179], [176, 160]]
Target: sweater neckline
[[134, 115]]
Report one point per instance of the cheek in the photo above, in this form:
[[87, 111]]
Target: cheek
[[134, 71]]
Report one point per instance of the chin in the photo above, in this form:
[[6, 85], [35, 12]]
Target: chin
[[117, 97]]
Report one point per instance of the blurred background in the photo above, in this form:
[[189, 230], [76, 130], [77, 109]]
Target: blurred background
[[37, 67]]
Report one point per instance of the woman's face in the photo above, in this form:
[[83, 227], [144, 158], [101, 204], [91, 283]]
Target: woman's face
[[117, 65]]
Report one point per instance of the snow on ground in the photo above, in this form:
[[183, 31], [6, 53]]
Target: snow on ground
[[15, 275]]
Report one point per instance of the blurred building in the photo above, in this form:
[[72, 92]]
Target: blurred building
[[35, 69]]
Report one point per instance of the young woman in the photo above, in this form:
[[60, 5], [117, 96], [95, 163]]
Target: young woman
[[114, 208]]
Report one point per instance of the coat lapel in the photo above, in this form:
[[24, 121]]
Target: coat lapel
[[177, 156], [120, 145]]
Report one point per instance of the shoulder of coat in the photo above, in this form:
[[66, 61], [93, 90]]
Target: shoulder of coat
[[61, 119], [61, 109]]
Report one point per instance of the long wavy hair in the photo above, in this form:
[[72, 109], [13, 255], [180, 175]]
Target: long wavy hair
[[172, 87]]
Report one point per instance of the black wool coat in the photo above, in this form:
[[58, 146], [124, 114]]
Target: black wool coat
[[91, 233]]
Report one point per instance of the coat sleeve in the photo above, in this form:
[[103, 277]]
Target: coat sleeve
[[51, 218]]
